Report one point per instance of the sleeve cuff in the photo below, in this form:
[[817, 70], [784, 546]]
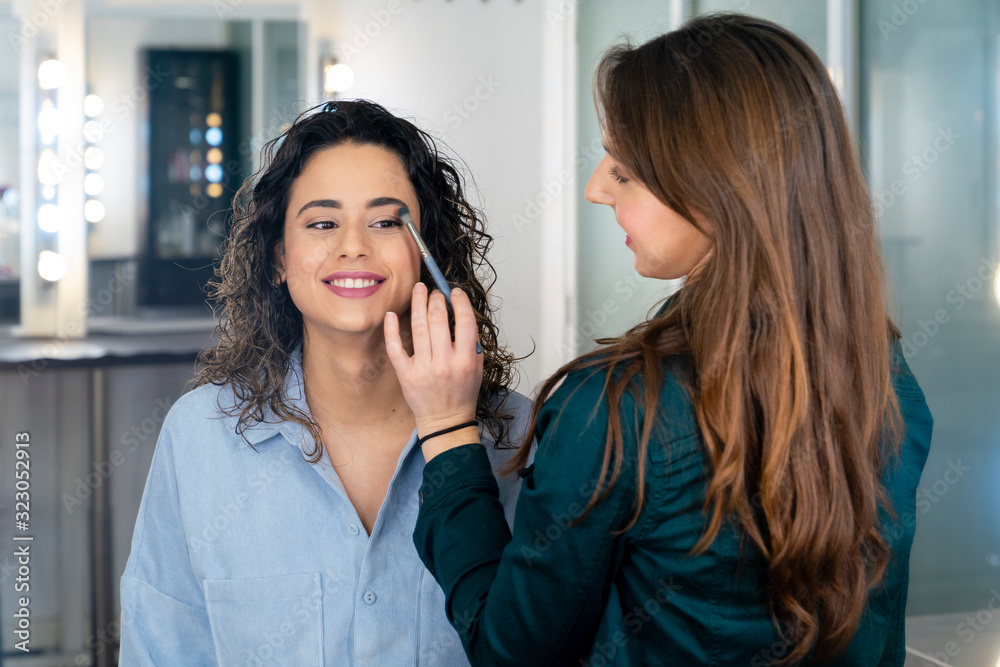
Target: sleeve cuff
[[455, 469]]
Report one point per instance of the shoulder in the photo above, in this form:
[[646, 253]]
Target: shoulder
[[203, 426], [903, 380], [584, 395], [208, 403], [913, 407]]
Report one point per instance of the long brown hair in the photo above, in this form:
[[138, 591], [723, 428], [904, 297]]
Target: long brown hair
[[261, 326], [785, 325]]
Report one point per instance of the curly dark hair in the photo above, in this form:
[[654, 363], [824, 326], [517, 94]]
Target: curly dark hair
[[261, 325]]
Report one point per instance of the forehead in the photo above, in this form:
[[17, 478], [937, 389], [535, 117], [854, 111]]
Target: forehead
[[352, 171]]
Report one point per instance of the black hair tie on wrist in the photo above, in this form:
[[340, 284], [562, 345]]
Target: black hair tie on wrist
[[421, 441]]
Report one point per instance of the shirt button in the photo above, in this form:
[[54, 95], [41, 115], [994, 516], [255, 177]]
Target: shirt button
[[370, 597], [354, 529]]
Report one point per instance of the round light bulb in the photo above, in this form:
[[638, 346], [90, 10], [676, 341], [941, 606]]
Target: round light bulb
[[338, 78], [51, 74], [50, 122], [93, 210], [213, 173], [47, 168], [92, 133], [51, 266], [50, 217], [93, 158], [213, 136], [93, 184], [93, 106]]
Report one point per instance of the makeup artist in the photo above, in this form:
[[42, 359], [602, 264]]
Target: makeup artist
[[727, 482]]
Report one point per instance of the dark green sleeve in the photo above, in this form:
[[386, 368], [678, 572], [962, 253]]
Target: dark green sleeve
[[534, 598]]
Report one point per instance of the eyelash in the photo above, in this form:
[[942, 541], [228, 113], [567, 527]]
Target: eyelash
[[615, 175]]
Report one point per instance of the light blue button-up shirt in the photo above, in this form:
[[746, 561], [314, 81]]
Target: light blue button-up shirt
[[244, 557]]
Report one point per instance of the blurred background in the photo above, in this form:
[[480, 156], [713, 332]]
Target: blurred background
[[127, 125]]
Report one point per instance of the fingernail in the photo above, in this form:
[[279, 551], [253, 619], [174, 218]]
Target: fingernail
[[457, 289], [420, 287]]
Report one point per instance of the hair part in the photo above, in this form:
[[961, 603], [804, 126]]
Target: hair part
[[785, 327], [261, 326]]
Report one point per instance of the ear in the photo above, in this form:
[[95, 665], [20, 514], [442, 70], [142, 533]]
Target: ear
[[279, 262]]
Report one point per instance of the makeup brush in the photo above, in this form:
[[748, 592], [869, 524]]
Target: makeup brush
[[432, 266]]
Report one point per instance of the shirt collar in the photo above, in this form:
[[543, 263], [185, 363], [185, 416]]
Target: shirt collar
[[294, 433]]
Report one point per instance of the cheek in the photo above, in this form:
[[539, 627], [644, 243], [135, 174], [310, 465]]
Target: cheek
[[404, 262], [304, 260]]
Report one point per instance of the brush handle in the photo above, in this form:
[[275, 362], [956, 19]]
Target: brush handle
[[439, 280], [445, 288], [432, 266]]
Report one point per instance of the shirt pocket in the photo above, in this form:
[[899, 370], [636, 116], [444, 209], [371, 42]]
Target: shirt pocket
[[267, 620], [438, 643]]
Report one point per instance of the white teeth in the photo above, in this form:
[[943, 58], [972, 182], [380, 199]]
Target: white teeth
[[353, 283]]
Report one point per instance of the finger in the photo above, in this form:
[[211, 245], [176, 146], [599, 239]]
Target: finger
[[437, 319], [466, 328], [398, 357], [418, 323]]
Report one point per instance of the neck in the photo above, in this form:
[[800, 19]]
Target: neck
[[349, 380]]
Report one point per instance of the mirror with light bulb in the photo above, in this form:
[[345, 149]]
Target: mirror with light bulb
[[187, 105], [176, 105]]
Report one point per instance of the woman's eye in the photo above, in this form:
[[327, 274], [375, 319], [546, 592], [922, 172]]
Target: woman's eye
[[387, 224], [323, 224], [617, 176]]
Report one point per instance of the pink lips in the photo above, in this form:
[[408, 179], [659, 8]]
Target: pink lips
[[354, 292], [628, 240]]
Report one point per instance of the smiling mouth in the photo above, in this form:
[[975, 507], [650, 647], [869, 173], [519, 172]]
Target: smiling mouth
[[353, 283]]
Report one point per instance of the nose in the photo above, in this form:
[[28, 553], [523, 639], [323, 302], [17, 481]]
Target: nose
[[596, 191], [354, 242]]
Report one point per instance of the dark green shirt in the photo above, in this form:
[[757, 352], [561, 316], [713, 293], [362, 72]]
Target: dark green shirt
[[554, 594]]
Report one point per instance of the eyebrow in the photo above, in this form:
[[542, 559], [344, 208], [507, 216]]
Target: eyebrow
[[333, 203]]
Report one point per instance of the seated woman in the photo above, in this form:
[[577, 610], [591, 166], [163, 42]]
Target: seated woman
[[276, 522]]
